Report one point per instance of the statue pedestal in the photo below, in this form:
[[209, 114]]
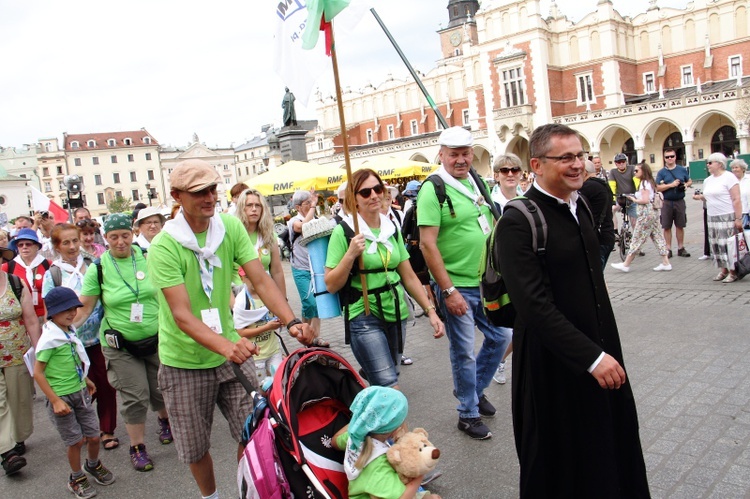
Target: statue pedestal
[[292, 144]]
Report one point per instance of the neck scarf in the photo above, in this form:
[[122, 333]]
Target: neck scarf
[[75, 279], [180, 230], [53, 337], [387, 229], [38, 259], [246, 311], [142, 241], [475, 197]]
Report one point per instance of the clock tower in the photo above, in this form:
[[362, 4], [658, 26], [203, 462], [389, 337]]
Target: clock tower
[[462, 27]]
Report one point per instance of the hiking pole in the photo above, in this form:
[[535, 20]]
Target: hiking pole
[[347, 162]]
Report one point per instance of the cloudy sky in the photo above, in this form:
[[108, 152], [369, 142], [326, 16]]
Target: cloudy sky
[[178, 67]]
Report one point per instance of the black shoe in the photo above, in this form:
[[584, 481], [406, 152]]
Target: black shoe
[[485, 407], [475, 428], [12, 462], [641, 253], [20, 448], [670, 253], [681, 252]]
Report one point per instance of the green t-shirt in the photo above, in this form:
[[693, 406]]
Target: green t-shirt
[[171, 264], [460, 241], [377, 479], [61, 371], [263, 253], [337, 247], [118, 298]]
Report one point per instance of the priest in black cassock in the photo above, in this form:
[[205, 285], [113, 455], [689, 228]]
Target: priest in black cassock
[[574, 415]]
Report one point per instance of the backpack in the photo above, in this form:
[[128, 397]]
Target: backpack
[[57, 271], [16, 285]]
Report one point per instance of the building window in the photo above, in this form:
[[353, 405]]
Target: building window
[[77, 161], [97, 179], [100, 198], [74, 145], [61, 186], [414, 127], [134, 195], [687, 75], [320, 144], [47, 187], [150, 174], [148, 156], [130, 158], [227, 180], [118, 194], [48, 146], [116, 178], [247, 170], [391, 132], [648, 83], [369, 136], [465, 115], [513, 87], [91, 143], [59, 170], [585, 88], [735, 66], [133, 177], [146, 140], [95, 160], [113, 159], [226, 168], [127, 142], [111, 142], [45, 171]]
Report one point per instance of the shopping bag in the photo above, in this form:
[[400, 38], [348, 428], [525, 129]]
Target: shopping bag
[[738, 256]]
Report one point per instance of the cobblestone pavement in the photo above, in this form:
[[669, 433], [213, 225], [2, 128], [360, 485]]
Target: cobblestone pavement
[[686, 347]]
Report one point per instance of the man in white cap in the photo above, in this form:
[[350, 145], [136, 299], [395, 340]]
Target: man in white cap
[[453, 236], [191, 262]]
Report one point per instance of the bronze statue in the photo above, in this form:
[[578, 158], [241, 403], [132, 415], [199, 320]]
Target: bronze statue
[[290, 116]]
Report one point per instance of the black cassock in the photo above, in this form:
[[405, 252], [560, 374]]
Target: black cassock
[[573, 438]]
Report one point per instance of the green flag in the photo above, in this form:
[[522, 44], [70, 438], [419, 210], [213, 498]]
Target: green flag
[[320, 13]]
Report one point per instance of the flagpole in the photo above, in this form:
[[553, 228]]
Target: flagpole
[[347, 162]]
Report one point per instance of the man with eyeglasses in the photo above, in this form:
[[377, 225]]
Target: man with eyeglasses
[[453, 236], [672, 181], [574, 415]]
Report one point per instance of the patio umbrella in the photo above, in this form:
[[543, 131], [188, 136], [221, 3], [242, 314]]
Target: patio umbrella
[[285, 179], [389, 167]]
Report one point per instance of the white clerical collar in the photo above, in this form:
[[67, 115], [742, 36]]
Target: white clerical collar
[[572, 204]]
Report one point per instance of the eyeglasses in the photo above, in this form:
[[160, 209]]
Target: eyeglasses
[[636, 170], [151, 222], [341, 200], [367, 191], [506, 171], [621, 161], [24, 244], [672, 156], [568, 159]]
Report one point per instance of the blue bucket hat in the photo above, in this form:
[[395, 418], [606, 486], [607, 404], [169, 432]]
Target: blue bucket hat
[[60, 299], [25, 234], [411, 188]]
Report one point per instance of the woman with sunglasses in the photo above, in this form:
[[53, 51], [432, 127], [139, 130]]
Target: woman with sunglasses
[[89, 248], [30, 266], [647, 224], [507, 173], [19, 330], [375, 338]]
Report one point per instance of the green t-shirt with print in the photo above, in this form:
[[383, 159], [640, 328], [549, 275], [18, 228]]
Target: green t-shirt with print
[[117, 275], [377, 479], [60, 371], [171, 264], [337, 247], [461, 240]]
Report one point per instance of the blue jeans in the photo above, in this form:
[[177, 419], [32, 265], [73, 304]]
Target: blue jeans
[[472, 373], [375, 346]]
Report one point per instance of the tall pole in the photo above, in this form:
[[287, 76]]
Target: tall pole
[[347, 162]]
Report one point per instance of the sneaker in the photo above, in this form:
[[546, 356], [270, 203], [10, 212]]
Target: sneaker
[[703, 257], [12, 462], [475, 428], [80, 487], [165, 431], [140, 458], [620, 267], [485, 407], [661, 267], [499, 375], [100, 474], [406, 361], [683, 252]]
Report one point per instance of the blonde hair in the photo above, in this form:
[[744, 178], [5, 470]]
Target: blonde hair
[[265, 222]]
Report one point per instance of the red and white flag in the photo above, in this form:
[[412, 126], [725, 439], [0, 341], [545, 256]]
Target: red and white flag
[[40, 202]]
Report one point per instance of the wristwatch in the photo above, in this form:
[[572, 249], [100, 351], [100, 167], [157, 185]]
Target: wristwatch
[[447, 292]]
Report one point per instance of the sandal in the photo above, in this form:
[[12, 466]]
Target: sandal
[[730, 278], [320, 342], [110, 443], [721, 276]]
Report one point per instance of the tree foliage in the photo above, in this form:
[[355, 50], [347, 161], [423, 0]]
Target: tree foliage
[[119, 204]]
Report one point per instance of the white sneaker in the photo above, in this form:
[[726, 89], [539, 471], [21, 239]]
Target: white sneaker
[[662, 267], [621, 267], [499, 375], [703, 257]]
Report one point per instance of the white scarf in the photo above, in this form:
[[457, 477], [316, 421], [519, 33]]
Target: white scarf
[[38, 259], [387, 229], [475, 197], [142, 241], [75, 279], [244, 316], [180, 230], [350, 457], [53, 337]]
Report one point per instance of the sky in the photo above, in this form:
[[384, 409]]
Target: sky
[[178, 67]]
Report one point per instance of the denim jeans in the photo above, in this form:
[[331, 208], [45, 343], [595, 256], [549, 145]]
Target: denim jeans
[[473, 373], [375, 346]]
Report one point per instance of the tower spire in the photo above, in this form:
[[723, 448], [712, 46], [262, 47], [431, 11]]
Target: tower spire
[[461, 11]]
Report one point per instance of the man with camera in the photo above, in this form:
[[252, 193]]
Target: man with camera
[[672, 181]]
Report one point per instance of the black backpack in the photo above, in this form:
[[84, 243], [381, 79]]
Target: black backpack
[[16, 285]]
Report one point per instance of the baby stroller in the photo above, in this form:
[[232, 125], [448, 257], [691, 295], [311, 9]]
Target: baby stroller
[[307, 404]]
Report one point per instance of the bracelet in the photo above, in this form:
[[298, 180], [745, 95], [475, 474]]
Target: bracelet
[[427, 310], [293, 323]]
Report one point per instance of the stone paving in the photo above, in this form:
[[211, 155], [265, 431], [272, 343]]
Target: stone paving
[[686, 347]]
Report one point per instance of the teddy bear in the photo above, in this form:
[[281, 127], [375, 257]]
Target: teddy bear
[[413, 455]]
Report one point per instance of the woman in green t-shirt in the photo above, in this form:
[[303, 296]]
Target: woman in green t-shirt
[[375, 337], [128, 333]]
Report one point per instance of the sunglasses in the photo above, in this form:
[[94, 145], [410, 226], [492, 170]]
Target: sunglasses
[[670, 157], [24, 244], [367, 191], [506, 171], [636, 171]]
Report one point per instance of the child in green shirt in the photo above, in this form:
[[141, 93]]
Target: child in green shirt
[[60, 371]]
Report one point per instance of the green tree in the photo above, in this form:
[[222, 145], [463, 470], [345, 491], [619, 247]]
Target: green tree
[[119, 204]]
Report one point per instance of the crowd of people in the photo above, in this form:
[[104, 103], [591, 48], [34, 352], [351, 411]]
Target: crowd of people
[[157, 311]]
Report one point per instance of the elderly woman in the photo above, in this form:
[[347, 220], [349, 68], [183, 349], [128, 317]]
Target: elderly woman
[[721, 191], [149, 223], [30, 266], [739, 168], [507, 172], [19, 330], [375, 338], [68, 270], [304, 202], [89, 247], [128, 333]]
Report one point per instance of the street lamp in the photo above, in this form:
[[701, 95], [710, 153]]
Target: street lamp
[[148, 193]]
